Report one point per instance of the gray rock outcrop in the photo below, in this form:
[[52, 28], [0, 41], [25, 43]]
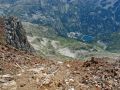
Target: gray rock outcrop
[[15, 34]]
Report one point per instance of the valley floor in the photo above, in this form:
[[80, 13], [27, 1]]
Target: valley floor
[[23, 71]]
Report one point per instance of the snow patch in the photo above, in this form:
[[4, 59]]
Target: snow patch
[[55, 44], [67, 52], [36, 47], [28, 24], [31, 39], [44, 41], [74, 34]]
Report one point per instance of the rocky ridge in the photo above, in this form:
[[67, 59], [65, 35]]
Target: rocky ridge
[[14, 34]]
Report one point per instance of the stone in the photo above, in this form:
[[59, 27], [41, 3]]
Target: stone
[[11, 85]]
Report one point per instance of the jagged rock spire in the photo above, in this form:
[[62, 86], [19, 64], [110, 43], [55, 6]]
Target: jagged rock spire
[[15, 34]]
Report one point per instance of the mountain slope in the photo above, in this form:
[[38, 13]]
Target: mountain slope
[[84, 20], [46, 42], [21, 70]]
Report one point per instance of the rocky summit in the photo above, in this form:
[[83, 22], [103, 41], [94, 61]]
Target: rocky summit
[[12, 33]]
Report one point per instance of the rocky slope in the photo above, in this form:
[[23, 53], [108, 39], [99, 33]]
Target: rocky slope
[[12, 33], [24, 71]]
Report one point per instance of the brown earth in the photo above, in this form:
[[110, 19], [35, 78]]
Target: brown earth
[[23, 71]]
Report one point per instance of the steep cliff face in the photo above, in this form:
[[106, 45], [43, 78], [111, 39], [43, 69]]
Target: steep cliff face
[[13, 33]]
